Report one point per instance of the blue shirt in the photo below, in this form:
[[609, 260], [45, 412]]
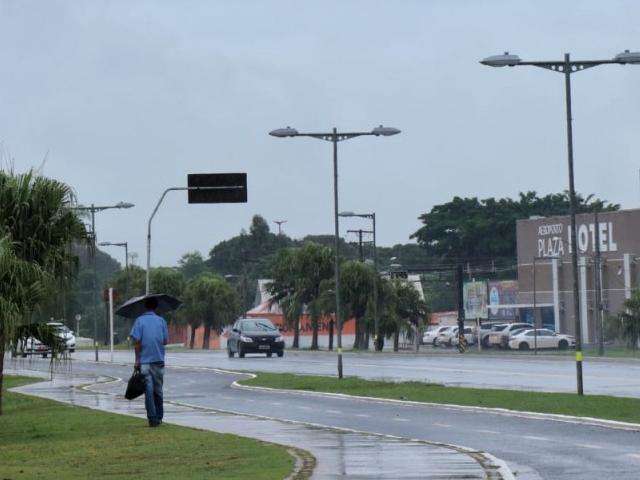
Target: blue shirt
[[151, 331]]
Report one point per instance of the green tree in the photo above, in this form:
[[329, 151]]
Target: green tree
[[37, 227], [630, 320], [191, 264], [357, 282], [209, 301], [468, 228], [282, 289]]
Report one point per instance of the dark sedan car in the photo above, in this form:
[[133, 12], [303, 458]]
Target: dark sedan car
[[255, 335]]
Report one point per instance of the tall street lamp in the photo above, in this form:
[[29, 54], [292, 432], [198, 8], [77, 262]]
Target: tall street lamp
[[567, 67], [334, 137], [93, 209], [126, 262], [376, 322]]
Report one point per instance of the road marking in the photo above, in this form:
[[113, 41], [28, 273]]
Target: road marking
[[443, 425], [277, 404], [226, 397], [302, 407], [492, 432], [586, 445], [400, 419], [634, 455], [362, 415], [533, 437], [249, 400], [335, 412]]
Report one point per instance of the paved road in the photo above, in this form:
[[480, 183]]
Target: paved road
[[606, 377], [538, 448]]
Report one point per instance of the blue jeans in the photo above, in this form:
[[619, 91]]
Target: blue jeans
[[154, 375]]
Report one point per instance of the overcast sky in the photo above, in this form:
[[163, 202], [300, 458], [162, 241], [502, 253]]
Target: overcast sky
[[129, 97]]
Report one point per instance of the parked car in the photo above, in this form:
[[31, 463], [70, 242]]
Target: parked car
[[429, 337], [445, 336], [254, 335], [65, 335], [30, 346], [486, 329], [449, 337], [469, 334], [526, 340], [499, 335]]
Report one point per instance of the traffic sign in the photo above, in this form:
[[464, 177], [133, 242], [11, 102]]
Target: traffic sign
[[217, 187]]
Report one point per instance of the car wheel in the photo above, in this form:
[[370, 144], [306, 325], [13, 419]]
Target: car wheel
[[240, 352], [269, 355], [523, 346], [280, 354], [434, 343], [229, 352], [23, 354], [563, 344], [72, 350], [485, 342], [13, 354], [44, 355]]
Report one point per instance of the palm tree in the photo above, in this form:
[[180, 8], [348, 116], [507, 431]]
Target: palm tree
[[212, 302], [37, 226], [282, 291], [630, 320], [357, 281]]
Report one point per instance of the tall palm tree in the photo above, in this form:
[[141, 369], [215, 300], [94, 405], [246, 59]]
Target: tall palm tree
[[212, 302], [37, 225], [283, 292], [357, 281]]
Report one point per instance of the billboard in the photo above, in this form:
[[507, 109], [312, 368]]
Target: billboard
[[503, 292], [475, 300]]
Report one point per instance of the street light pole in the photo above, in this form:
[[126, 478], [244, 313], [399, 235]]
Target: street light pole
[[567, 67], [334, 137], [93, 209], [126, 262]]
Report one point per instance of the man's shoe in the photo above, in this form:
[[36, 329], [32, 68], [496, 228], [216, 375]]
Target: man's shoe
[[153, 424]]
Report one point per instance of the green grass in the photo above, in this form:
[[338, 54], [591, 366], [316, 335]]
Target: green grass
[[42, 439], [596, 406]]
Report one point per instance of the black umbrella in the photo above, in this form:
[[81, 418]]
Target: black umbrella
[[134, 307]]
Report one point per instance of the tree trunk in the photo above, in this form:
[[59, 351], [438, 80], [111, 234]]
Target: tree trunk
[[396, 340], [314, 337], [1, 368], [331, 334], [205, 337], [296, 334], [193, 337], [366, 340], [379, 345]]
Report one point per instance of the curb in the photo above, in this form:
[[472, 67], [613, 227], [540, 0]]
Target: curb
[[557, 417]]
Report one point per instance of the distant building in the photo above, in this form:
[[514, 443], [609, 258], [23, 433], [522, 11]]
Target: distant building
[[546, 242]]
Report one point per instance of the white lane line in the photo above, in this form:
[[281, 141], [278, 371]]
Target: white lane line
[[400, 419], [533, 437], [443, 425], [362, 415], [226, 397], [335, 412], [586, 445], [492, 432], [277, 404], [249, 400], [634, 455], [302, 407]]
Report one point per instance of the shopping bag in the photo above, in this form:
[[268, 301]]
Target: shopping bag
[[136, 385]]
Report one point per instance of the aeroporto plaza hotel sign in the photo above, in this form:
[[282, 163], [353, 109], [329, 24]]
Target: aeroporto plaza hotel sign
[[554, 239]]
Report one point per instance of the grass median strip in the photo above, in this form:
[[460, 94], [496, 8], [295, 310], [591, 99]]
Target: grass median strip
[[596, 406], [46, 439]]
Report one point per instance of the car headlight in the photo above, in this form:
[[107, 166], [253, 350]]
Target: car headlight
[[246, 339], [279, 338]]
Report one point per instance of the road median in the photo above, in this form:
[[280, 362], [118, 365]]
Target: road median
[[608, 411]]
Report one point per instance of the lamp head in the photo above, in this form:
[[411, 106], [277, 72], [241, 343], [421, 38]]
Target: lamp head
[[284, 132], [124, 205], [505, 60], [628, 57], [385, 131]]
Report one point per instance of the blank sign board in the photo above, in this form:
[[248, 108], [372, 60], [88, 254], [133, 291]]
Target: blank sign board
[[217, 187]]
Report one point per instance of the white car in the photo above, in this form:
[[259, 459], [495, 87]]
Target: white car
[[430, 336], [501, 334], [526, 340], [66, 335], [449, 337]]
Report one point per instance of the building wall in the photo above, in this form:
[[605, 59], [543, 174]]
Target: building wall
[[546, 242]]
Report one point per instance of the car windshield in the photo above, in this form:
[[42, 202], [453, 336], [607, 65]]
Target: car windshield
[[257, 326], [498, 328], [62, 329]]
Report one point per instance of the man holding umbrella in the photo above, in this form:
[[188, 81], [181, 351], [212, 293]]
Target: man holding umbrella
[[150, 335]]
